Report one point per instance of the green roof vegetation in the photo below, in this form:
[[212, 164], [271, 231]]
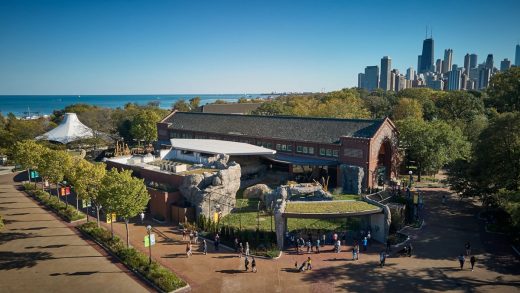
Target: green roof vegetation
[[329, 207]]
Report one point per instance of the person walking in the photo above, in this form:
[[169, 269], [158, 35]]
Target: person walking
[[309, 245], [309, 263], [318, 245], [253, 264], [142, 218], [247, 249], [357, 251], [236, 244], [365, 243], [188, 250], [472, 261], [191, 236], [240, 250], [354, 253], [324, 239], [246, 263], [216, 242], [196, 236], [382, 258], [410, 249], [461, 260], [369, 237], [204, 247], [467, 246]]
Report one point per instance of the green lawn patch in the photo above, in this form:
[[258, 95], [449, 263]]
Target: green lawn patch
[[329, 207], [346, 197], [160, 276]]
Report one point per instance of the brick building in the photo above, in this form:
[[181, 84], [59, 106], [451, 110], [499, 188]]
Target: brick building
[[301, 143]]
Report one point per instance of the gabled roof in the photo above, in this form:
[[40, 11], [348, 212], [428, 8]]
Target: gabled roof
[[70, 129], [320, 130]]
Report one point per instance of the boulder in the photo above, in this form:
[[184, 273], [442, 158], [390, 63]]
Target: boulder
[[258, 191]]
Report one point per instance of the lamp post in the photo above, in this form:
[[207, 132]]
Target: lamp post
[[149, 229], [411, 178]]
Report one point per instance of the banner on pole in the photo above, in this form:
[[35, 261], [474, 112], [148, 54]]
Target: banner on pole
[[149, 240]]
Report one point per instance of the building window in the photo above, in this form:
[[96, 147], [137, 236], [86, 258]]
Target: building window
[[269, 145], [289, 147], [305, 150], [299, 149], [278, 146], [335, 153], [322, 152], [329, 153], [311, 150], [284, 147]]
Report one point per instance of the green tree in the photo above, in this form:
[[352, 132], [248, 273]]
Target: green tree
[[407, 108], [432, 145], [504, 91], [181, 105], [144, 126], [194, 103], [87, 179], [123, 194], [459, 105], [54, 165], [28, 154]]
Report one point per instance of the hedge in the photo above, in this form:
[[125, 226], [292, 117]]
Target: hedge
[[161, 277], [68, 213]]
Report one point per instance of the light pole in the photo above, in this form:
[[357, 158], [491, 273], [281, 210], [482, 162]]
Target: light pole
[[149, 229], [411, 178]]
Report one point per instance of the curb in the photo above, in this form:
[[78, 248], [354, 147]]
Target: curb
[[137, 273]]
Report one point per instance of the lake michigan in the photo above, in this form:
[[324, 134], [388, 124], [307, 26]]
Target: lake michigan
[[45, 105]]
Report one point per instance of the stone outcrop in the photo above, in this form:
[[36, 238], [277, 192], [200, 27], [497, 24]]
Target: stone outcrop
[[209, 190], [352, 178], [258, 191]]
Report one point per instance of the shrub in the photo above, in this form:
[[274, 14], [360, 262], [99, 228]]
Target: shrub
[[134, 259], [68, 213]]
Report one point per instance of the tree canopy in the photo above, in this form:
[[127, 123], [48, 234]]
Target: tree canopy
[[504, 91]]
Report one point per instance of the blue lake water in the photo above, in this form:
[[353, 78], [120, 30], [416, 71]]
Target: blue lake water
[[44, 105]]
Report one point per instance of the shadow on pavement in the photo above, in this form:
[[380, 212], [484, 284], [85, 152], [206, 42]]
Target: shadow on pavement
[[6, 237], [14, 260], [231, 271]]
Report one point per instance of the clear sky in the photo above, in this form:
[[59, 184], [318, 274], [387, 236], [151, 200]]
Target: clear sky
[[195, 46]]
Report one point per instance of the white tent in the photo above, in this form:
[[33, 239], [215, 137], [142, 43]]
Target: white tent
[[70, 129]]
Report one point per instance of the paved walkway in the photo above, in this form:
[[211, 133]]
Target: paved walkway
[[433, 267], [39, 253]]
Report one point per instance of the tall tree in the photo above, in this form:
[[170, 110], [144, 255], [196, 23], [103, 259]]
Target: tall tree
[[87, 179], [28, 154], [407, 108], [181, 105], [54, 166], [504, 91], [124, 194], [459, 105], [144, 126]]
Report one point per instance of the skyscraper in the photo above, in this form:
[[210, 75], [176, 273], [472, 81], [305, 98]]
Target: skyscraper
[[505, 64], [517, 55], [489, 61], [361, 81], [473, 61], [386, 65], [427, 56], [484, 75], [455, 80], [410, 74], [446, 63], [371, 77], [419, 60], [438, 66], [467, 62]]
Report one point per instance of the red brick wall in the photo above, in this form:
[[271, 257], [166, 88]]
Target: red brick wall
[[161, 201]]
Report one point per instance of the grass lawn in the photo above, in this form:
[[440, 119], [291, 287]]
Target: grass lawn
[[330, 207], [346, 197]]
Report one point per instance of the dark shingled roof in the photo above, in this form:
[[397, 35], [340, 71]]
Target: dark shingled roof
[[235, 108], [320, 130]]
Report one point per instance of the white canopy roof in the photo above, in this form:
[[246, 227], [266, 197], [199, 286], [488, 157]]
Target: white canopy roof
[[70, 129], [213, 146]]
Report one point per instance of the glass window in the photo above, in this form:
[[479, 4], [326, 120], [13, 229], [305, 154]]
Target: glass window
[[278, 147], [299, 149], [311, 150], [284, 147], [329, 153], [322, 152], [335, 153], [269, 145], [289, 147], [305, 150]]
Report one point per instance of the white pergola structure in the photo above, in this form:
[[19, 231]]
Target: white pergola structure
[[69, 130]]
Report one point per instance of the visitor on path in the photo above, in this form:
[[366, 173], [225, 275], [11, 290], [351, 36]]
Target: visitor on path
[[246, 263], [183, 234], [142, 218], [354, 253], [216, 242], [472, 261], [247, 248], [324, 239], [188, 250], [461, 261], [240, 250], [334, 238], [382, 258], [318, 245], [196, 236], [468, 248], [365, 244], [236, 244], [191, 236], [309, 245], [357, 251], [309, 264], [253, 265], [204, 247], [388, 246]]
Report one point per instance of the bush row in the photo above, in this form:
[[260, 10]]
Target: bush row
[[157, 274], [68, 213]]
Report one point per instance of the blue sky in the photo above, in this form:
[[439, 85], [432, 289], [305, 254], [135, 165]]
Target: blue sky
[[154, 47]]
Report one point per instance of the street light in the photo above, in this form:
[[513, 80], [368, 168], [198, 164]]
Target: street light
[[411, 178], [149, 229]]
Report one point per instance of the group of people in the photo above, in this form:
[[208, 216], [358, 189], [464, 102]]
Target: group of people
[[192, 236], [240, 249], [253, 264], [462, 258], [306, 265]]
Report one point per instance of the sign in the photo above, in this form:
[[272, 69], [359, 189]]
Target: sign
[[86, 203], [62, 191], [215, 217], [67, 190], [148, 240], [34, 174], [111, 218]]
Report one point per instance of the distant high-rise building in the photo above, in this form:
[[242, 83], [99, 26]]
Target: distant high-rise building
[[463, 80], [470, 85], [448, 58], [361, 81], [517, 55], [371, 77], [400, 82], [466, 62], [427, 56], [454, 80], [472, 61], [419, 60], [505, 64], [386, 66], [437, 84], [489, 61], [410, 74], [438, 66], [484, 75]]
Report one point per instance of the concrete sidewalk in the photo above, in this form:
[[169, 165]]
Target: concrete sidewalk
[[39, 253]]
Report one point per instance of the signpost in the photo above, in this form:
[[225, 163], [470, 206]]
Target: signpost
[[149, 240]]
